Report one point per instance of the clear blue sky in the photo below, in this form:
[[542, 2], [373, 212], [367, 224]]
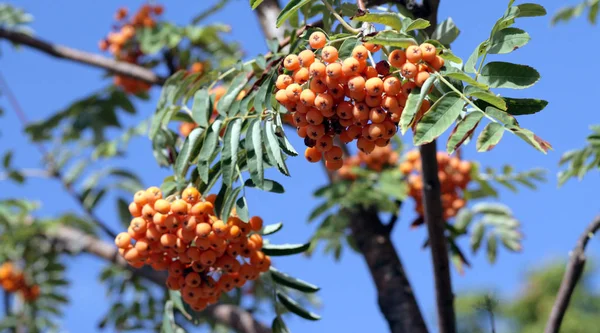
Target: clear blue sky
[[552, 218]]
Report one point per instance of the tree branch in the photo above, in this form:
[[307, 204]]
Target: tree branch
[[571, 278], [395, 296], [267, 13], [230, 315], [63, 52]]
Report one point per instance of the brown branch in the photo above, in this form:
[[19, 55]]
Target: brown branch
[[394, 292], [230, 315], [571, 278], [63, 52]]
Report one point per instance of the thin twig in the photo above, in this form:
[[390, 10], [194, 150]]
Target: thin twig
[[571, 278], [340, 19]]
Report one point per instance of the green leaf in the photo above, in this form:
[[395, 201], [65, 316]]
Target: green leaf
[[437, 120], [254, 152], [477, 236], [284, 249], [522, 106], [413, 104], [489, 137], [418, 24], [237, 85], [279, 326], [229, 154], [345, 50], [229, 201], [255, 3], [478, 52], [491, 208], [291, 282], [75, 172], [272, 228], [507, 75], [189, 151], [208, 147], [295, 307], [241, 208], [531, 10], [391, 38], [463, 219], [492, 247], [262, 100], [160, 119], [202, 108], [446, 32], [268, 185], [463, 130], [485, 96], [466, 78], [392, 20], [508, 40], [534, 140], [501, 116], [273, 146], [7, 159], [290, 9]]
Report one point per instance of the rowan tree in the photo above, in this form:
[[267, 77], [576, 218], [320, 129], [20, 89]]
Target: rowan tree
[[358, 83]]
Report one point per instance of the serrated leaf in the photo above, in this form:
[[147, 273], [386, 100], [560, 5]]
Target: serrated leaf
[[295, 307], [278, 326], [292, 282], [229, 153], [465, 78], [446, 32], [208, 147], [413, 104], [463, 130], [189, 151], [499, 74], [235, 87], [202, 108], [284, 249], [489, 137], [534, 140], [530, 10], [523, 106], [345, 50], [463, 219], [390, 19], [439, 118], [477, 236], [272, 228], [502, 116], [492, 247], [272, 145], [268, 185], [487, 96], [254, 152], [391, 38], [292, 7], [491, 208], [478, 52], [241, 208], [229, 201], [255, 3], [417, 24], [262, 100], [508, 40]]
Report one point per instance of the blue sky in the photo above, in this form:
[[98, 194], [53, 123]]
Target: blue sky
[[552, 218]]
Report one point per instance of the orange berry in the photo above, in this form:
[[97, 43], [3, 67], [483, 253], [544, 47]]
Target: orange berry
[[293, 92], [168, 240], [372, 47], [365, 145], [179, 207], [428, 52], [421, 78], [190, 223], [374, 86], [208, 257], [334, 70], [202, 209], [312, 154], [317, 40], [360, 53], [306, 58], [370, 72], [329, 54], [317, 69], [131, 254], [153, 193], [203, 230], [314, 117], [437, 63], [333, 164], [256, 223], [377, 115], [335, 153], [344, 110], [397, 58], [190, 195], [373, 101], [315, 131], [392, 86], [281, 97], [140, 198], [323, 101], [325, 143], [138, 225], [162, 206], [283, 81], [360, 112], [307, 97], [301, 75], [414, 54], [135, 210], [356, 83], [407, 87], [291, 62], [409, 70], [351, 67], [318, 85], [122, 240]]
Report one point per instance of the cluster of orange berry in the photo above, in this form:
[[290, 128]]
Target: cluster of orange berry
[[329, 96], [454, 176], [377, 160], [124, 47], [204, 255], [13, 280]]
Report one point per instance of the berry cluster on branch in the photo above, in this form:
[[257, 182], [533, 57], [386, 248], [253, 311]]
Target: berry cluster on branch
[[13, 280]]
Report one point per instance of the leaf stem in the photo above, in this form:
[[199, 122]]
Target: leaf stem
[[465, 98], [339, 18]]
